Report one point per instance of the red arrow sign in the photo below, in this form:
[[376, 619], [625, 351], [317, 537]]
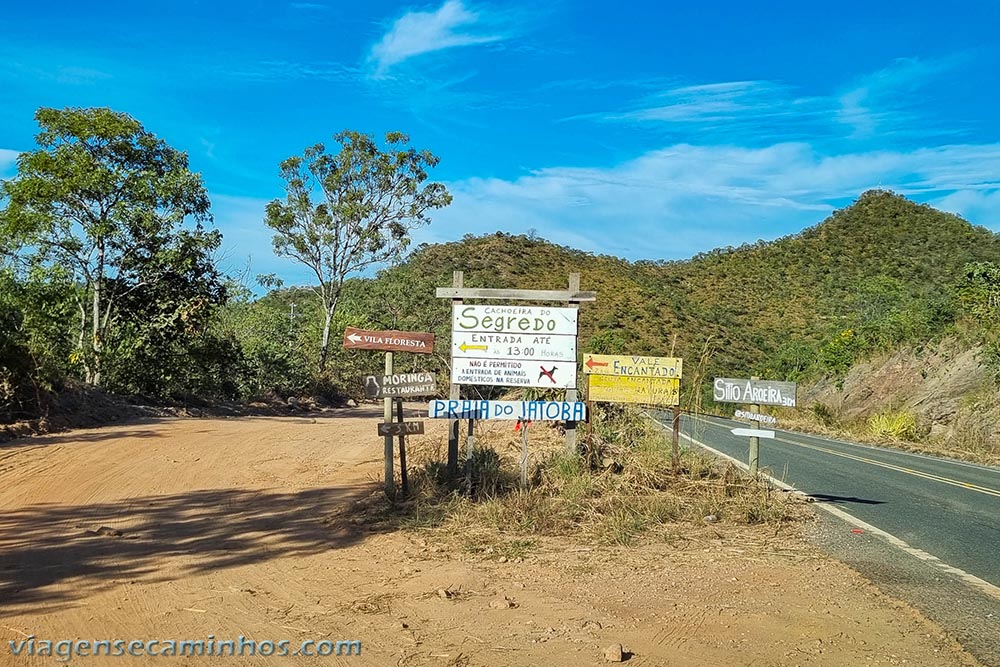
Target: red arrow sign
[[591, 363], [389, 341]]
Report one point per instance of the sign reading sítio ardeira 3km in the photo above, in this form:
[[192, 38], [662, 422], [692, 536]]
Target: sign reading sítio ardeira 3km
[[760, 392], [514, 346]]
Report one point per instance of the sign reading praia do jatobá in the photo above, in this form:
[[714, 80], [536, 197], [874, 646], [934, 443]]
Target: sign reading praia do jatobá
[[514, 346], [760, 392], [570, 411]]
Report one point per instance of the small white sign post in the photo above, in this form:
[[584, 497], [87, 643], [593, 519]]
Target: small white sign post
[[757, 392], [753, 432]]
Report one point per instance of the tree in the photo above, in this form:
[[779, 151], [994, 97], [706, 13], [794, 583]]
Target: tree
[[105, 199], [343, 213], [979, 291]]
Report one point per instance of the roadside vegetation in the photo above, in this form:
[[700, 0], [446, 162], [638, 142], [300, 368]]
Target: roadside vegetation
[[622, 491], [972, 435], [110, 281]]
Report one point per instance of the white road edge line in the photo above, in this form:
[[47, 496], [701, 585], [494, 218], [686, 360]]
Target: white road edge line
[[981, 584], [862, 445]]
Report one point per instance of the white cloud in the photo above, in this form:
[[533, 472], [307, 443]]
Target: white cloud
[[283, 70], [979, 206], [419, 32], [879, 97], [8, 162], [684, 199], [877, 104], [673, 202], [711, 102]]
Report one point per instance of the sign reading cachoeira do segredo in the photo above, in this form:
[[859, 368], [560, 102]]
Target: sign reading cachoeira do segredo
[[514, 346], [759, 392]]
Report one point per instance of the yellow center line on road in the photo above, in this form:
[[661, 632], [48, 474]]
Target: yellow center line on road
[[908, 471]]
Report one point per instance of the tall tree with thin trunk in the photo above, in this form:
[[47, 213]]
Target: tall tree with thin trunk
[[99, 197], [347, 211]]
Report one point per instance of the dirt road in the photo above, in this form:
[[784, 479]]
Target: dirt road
[[193, 529]]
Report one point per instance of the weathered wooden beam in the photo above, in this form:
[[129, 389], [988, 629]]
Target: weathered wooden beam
[[515, 294], [574, 288]]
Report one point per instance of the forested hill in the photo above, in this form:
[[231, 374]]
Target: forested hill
[[882, 271]]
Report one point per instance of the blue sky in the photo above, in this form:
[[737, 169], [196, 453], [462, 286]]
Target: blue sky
[[641, 129]]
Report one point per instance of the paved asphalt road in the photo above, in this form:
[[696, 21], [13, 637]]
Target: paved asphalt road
[[949, 509]]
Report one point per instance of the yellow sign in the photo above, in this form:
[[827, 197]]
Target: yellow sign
[[625, 389], [632, 366]]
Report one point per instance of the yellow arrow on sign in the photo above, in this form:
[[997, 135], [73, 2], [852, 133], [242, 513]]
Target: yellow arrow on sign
[[465, 348]]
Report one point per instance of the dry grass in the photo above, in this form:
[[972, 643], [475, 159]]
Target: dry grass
[[619, 490], [376, 603], [973, 436]]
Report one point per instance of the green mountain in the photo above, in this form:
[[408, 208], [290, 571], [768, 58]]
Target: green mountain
[[880, 272]]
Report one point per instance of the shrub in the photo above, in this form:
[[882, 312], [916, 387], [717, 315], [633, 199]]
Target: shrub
[[895, 425]]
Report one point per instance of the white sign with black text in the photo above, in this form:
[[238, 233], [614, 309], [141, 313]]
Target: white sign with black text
[[514, 346]]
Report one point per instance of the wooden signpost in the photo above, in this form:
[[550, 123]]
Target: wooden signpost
[[389, 342], [512, 346], [754, 391], [757, 392], [523, 412], [401, 428], [633, 379], [652, 381]]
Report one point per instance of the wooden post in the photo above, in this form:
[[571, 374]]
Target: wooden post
[[574, 286], [590, 421], [454, 393], [390, 482], [469, 444], [590, 427], [675, 448], [675, 445], [402, 449], [754, 441], [524, 454]]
